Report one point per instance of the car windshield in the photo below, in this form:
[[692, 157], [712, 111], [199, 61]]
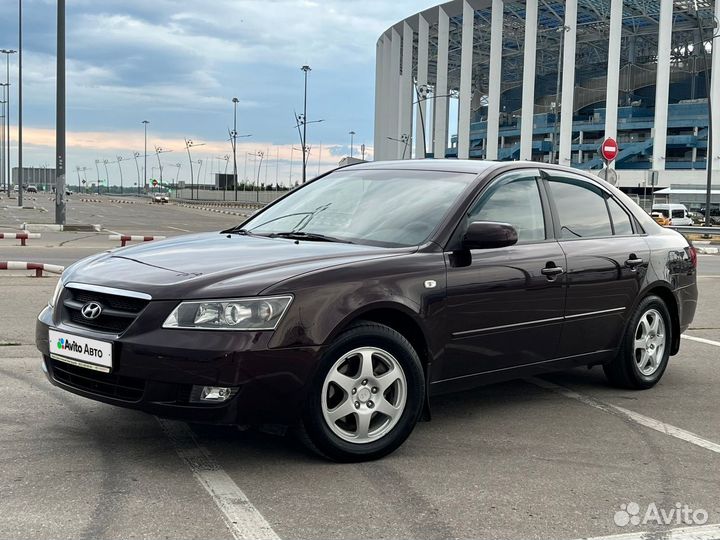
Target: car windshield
[[391, 208]]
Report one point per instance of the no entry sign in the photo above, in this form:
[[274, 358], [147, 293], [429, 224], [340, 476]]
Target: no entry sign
[[609, 149]]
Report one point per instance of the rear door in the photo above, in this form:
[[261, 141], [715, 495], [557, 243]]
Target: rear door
[[607, 258]]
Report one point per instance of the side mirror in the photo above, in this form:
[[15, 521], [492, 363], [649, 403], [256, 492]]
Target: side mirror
[[489, 235]]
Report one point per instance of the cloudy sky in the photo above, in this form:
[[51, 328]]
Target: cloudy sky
[[178, 64]]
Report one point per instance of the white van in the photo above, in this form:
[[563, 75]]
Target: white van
[[676, 213]]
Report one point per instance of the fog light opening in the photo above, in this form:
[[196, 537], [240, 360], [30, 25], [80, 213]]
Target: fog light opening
[[212, 394]]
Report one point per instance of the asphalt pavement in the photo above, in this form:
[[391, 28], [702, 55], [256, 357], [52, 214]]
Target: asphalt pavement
[[555, 457]]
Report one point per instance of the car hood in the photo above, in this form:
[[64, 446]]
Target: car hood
[[214, 265]]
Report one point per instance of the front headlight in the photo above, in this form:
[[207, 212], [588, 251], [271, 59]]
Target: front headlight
[[262, 313], [56, 293]]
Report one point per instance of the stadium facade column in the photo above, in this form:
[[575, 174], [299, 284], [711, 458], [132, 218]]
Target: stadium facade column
[[421, 119], [567, 101], [387, 103], [495, 79], [528, 93], [613, 70], [662, 85], [440, 101], [379, 130], [405, 97], [393, 96], [466, 65], [715, 92]]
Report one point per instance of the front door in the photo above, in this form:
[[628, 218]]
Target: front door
[[505, 306]]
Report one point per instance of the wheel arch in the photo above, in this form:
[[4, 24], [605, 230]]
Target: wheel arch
[[662, 290], [397, 316]]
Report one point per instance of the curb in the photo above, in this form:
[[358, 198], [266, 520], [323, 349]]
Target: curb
[[707, 250], [51, 227]]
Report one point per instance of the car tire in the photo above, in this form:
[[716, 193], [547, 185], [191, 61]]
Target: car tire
[[645, 349], [381, 414]]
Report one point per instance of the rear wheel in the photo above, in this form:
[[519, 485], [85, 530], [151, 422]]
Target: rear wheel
[[645, 350], [366, 397]]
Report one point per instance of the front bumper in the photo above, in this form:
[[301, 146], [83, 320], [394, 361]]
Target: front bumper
[[154, 371]]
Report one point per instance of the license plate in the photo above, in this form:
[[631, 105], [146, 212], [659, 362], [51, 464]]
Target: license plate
[[81, 351]]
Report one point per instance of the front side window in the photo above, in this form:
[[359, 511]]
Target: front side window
[[516, 202], [388, 208], [581, 209]]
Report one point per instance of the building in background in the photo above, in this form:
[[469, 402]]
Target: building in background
[[549, 80], [41, 177]]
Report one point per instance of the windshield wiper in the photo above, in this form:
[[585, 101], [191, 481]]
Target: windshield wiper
[[299, 235]]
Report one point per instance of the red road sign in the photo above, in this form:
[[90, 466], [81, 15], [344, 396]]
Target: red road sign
[[154, 182], [609, 149]]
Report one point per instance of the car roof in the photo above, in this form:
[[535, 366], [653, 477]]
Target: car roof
[[474, 166]]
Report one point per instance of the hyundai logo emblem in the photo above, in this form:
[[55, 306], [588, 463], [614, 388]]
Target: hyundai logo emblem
[[91, 310]]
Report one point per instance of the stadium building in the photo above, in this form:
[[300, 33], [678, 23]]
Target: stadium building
[[548, 80]]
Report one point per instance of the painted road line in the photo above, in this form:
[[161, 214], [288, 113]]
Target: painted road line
[[241, 517], [702, 532], [177, 228], [632, 416], [701, 340]]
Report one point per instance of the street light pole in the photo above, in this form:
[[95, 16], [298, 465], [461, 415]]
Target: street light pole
[[119, 162], [305, 69], [352, 135], [234, 147], [20, 107], [60, 147], [97, 172], [8, 174], [145, 123], [107, 177]]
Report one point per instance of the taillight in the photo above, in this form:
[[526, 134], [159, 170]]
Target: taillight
[[693, 256]]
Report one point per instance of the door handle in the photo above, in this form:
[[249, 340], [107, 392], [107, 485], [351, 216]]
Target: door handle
[[552, 271], [633, 262]]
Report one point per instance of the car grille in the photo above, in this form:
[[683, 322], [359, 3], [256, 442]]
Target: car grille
[[118, 311], [103, 384]]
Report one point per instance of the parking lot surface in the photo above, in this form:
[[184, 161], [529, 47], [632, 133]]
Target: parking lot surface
[[554, 457]]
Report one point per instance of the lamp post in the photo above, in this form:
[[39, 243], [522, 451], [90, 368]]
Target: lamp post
[[145, 123], [20, 107], [352, 136], [405, 140], [159, 151], [234, 148], [188, 145], [261, 155], [305, 69], [107, 176], [2, 144], [8, 174], [119, 161], [136, 155], [97, 172]]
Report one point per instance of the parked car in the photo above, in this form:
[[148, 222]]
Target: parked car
[[660, 218], [342, 308], [677, 214], [31, 189]]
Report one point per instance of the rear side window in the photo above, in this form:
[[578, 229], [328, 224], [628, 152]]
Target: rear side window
[[516, 202], [620, 219], [678, 213], [581, 209]]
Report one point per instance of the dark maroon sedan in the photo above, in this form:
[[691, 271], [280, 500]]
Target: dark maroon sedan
[[340, 309]]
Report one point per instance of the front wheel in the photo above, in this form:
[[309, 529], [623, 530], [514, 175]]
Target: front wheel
[[645, 350], [366, 397]]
